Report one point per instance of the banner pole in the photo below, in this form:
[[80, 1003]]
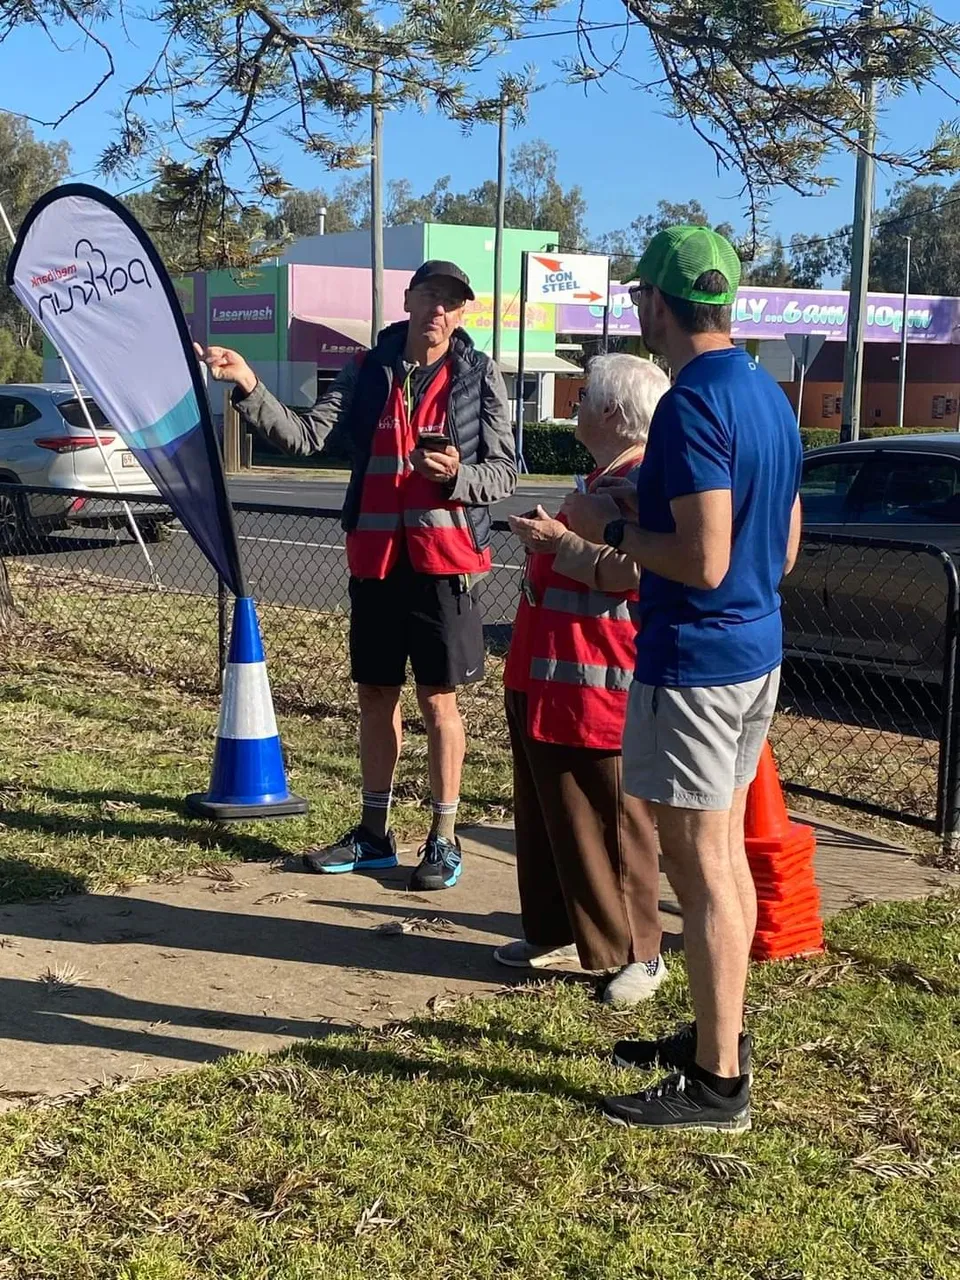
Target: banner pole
[[223, 629], [85, 410]]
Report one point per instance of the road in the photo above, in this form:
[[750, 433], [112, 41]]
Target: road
[[329, 494], [292, 558]]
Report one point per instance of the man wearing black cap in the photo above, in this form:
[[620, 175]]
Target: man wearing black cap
[[428, 422]]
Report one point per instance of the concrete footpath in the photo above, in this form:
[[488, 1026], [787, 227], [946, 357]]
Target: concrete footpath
[[254, 956]]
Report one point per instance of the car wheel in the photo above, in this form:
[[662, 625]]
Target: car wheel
[[154, 530], [13, 524]]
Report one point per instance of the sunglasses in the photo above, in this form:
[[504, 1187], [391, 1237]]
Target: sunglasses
[[449, 299], [637, 291]]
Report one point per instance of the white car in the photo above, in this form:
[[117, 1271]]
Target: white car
[[45, 443]]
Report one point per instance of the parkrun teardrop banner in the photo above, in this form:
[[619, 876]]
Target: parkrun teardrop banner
[[90, 276]]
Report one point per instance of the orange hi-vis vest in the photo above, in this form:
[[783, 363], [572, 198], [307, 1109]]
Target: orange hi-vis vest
[[398, 505], [573, 652]]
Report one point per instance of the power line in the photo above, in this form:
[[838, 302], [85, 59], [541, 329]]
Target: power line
[[887, 222]]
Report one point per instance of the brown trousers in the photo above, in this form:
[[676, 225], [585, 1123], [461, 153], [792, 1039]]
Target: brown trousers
[[587, 853]]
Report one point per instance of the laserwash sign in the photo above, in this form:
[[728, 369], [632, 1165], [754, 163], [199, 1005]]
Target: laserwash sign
[[578, 279]]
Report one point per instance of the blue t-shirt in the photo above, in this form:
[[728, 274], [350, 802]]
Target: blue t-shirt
[[725, 424]]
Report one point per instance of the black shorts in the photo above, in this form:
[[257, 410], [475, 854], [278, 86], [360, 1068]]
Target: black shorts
[[429, 619]]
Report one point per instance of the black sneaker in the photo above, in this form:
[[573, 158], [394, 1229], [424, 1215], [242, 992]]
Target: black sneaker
[[678, 1051], [681, 1103], [441, 863], [356, 850]]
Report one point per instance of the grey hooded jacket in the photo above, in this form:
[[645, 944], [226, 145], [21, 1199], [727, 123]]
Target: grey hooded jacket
[[478, 422]]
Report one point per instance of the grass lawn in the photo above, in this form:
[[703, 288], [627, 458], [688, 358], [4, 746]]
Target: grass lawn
[[467, 1145], [95, 763], [169, 640]]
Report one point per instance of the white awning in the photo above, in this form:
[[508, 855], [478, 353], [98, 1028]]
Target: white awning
[[540, 362], [356, 331]]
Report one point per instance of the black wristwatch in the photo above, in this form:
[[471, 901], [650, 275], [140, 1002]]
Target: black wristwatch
[[613, 532]]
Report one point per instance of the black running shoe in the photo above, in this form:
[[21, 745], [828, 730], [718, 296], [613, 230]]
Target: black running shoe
[[678, 1051], [441, 863], [681, 1103], [356, 850]]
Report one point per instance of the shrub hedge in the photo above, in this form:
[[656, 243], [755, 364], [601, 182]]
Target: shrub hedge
[[817, 437], [553, 450]]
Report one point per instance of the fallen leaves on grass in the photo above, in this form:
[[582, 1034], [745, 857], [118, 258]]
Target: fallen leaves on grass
[[216, 871], [274, 1202], [888, 1165], [894, 1125], [416, 924], [48, 1152], [21, 1187], [270, 899], [276, 1077], [372, 1220], [909, 974], [437, 1003], [60, 980], [722, 1167], [824, 975]]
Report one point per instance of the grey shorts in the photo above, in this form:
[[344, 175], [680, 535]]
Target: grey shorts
[[692, 748]]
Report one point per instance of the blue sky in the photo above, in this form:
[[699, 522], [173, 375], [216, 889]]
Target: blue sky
[[616, 142]]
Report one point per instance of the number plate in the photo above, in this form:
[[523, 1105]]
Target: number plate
[[127, 459]]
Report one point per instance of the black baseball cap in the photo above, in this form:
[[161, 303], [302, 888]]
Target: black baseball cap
[[437, 268]]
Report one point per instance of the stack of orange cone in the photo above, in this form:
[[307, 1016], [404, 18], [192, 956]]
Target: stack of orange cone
[[780, 853]]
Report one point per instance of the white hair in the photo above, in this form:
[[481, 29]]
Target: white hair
[[633, 385]]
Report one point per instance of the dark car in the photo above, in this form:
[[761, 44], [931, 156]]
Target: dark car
[[879, 609]]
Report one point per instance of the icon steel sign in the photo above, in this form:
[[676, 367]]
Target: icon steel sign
[[578, 278]]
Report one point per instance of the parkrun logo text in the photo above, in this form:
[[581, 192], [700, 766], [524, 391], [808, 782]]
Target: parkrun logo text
[[92, 279]]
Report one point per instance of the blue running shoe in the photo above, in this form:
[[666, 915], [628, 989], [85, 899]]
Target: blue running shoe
[[441, 863], [356, 850]]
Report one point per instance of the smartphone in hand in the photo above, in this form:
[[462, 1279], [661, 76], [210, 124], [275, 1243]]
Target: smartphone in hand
[[433, 440]]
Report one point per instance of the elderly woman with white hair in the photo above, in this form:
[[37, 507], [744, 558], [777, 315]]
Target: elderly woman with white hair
[[587, 853]]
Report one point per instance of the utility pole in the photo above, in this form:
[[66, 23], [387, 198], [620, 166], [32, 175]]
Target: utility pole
[[498, 232], [902, 393], [521, 352], [376, 205], [860, 246]]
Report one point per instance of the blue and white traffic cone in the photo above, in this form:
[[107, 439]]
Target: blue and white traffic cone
[[248, 779]]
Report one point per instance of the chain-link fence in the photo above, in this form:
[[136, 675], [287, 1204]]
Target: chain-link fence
[[867, 711]]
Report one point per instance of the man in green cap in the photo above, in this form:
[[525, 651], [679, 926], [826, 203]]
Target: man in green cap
[[713, 523]]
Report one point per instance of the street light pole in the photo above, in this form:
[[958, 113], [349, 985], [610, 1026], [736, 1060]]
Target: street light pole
[[860, 247], [902, 393], [498, 232], [376, 206]]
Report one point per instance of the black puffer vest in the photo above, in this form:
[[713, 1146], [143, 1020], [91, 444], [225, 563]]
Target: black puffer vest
[[374, 382]]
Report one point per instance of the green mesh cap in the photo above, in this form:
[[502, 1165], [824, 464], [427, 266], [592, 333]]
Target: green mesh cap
[[676, 258]]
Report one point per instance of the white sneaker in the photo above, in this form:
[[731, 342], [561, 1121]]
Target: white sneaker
[[524, 955], [634, 984]]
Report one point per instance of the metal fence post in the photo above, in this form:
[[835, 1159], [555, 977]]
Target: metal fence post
[[948, 773], [223, 627]]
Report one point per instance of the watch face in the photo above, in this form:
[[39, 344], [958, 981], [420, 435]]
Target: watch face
[[613, 533]]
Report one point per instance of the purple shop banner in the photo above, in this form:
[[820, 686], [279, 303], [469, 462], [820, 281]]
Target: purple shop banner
[[246, 313], [772, 313]]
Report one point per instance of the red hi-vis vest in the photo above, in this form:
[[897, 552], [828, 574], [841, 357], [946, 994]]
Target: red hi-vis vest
[[573, 652], [398, 505]]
